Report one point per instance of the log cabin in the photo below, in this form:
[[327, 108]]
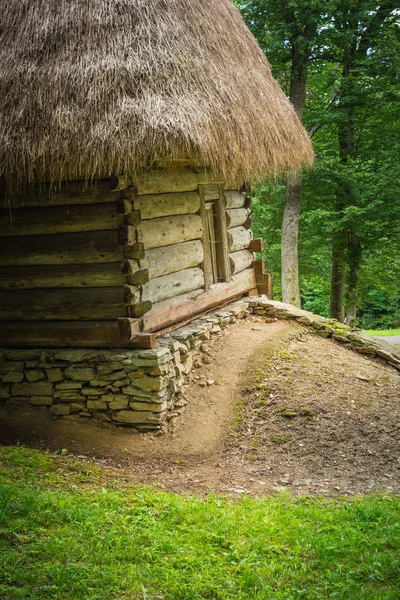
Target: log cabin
[[130, 134]]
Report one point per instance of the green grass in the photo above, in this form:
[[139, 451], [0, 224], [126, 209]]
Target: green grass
[[67, 534], [383, 332]]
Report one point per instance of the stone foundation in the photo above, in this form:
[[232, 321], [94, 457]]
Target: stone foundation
[[129, 387], [139, 387]]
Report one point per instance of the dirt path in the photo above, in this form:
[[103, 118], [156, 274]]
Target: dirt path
[[199, 431], [288, 410]]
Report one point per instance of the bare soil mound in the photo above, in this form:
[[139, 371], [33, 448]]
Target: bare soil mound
[[286, 410]]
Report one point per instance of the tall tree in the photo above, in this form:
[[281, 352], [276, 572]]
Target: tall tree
[[358, 27], [289, 32]]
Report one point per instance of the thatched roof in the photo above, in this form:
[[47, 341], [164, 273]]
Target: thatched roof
[[102, 87]]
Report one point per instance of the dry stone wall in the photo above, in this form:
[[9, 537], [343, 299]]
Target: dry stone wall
[[128, 387], [139, 388]]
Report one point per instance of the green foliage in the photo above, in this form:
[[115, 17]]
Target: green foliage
[[63, 539], [353, 90]]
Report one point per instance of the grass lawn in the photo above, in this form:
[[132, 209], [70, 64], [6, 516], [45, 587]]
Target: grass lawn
[[70, 532], [383, 332]]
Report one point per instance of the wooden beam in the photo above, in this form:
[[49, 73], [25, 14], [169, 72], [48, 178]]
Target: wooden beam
[[134, 274], [264, 284], [61, 249], [129, 335], [252, 292], [256, 245], [239, 238], [165, 231], [66, 193], [168, 312], [221, 235], [237, 216], [169, 259], [64, 334], [258, 266], [62, 304], [67, 276], [173, 285], [127, 235], [207, 269], [240, 261], [234, 199], [59, 219], [164, 205], [162, 181]]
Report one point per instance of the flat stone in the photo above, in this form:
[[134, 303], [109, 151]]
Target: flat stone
[[23, 354], [101, 416], [77, 406], [31, 364], [114, 376], [149, 384], [40, 388], [98, 383], [118, 402], [156, 353], [88, 391], [96, 405], [12, 377], [322, 333], [60, 409], [33, 376], [54, 375], [111, 367], [340, 338], [367, 350], [41, 400], [68, 396], [80, 374], [152, 362], [75, 356], [384, 354], [4, 394], [15, 367], [131, 417], [151, 406], [121, 383], [136, 375], [69, 385]]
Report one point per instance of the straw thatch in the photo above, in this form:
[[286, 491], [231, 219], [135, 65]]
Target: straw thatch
[[93, 88]]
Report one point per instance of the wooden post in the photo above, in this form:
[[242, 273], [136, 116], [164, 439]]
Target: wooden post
[[205, 240], [224, 266]]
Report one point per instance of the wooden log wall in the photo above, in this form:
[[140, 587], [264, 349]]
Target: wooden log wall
[[91, 255], [59, 255]]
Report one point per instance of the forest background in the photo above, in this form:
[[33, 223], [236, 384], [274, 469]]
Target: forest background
[[339, 62]]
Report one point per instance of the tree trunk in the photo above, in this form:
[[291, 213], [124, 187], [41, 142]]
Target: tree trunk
[[292, 210], [338, 280], [355, 255], [289, 247]]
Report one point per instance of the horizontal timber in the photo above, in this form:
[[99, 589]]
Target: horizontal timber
[[166, 231], [174, 180], [163, 205], [240, 261], [59, 219], [239, 238], [62, 304], [65, 276], [169, 259], [238, 216], [67, 334], [235, 199], [69, 192], [64, 248], [181, 308]]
